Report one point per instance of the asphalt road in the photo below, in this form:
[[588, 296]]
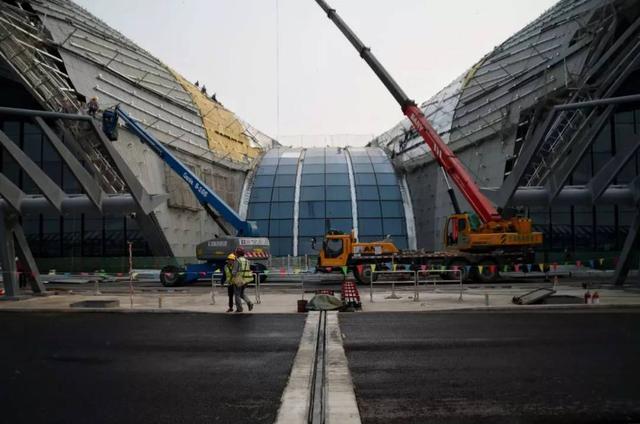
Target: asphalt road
[[474, 367], [139, 368]]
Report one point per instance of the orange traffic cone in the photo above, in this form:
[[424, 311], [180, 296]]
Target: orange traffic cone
[[587, 297], [595, 299]]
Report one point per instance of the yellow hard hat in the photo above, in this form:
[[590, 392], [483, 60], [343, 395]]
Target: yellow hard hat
[[231, 257]]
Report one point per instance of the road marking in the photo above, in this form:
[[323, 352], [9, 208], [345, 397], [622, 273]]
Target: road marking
[[294, 406], [341, 407]]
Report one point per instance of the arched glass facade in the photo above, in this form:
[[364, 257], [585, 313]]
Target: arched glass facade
[[298, 194]]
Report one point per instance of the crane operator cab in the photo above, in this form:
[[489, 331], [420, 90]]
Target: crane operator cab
[[458, 228]]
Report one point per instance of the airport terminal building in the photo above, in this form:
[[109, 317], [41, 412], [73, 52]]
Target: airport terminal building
[[547, 122]]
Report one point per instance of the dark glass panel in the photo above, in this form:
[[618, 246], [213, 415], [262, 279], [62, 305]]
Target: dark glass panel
[[367, 193], [369, 209], [281, 228], [281, 210], [287, 169], [370, 227], [260, 195], [312, 169], [338, 193], [311, 227], [258, 210], [266, 170], [394, 226], [365, 179], [283, 194], [313, 180], [333, 168], [311, 193], [386, 179], [285, 181], [263, 181], [339, 210], [389, 193], [337, 179], [392, 209], [312, 210]]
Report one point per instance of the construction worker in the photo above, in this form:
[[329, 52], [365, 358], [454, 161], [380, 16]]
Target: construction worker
[[93, 106], [242, 275], [227, 278]]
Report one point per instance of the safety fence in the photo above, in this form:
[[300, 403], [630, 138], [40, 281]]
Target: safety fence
[[415, 279]]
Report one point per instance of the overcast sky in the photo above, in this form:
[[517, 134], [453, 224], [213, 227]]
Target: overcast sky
[[327, 94]]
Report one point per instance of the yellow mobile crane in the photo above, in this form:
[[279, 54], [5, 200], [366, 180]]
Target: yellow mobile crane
[[485, 240]]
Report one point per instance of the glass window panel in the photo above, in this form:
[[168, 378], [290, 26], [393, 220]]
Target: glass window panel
[[281, 246], [288, 161], [283, 194], [314, 160], [281, 210], [383, 168], [266, 170], [386, 179], [92, 238], [312, 210], [50, 236], [339, 209], [367, 193], [268, 161], [312, 169], [379, 160], [281, 228], [368, 209], [390, 193], [370, 227], [260, 195], [365, 179], [285, 181], [338, 193], [72, 235], [334, 168], [360, 160], [114, 242], [258, 211], [263, 181], [344, 225], [263, 227], [400, 242], [311, 227], [337, 179], [305, 246], [394, 226], [392, 209], [362, 168], [313, 180], [311, 193], [70, 184], [287, 169]]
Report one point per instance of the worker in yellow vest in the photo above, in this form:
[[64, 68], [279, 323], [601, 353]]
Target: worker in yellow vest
[[242, 276], [227, 278]]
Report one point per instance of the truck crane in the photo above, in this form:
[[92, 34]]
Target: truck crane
[[213, 252], [485, 238]]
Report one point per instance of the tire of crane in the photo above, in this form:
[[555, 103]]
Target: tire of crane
[[463, 267], [171, 276], [364, 278], [486, 276]]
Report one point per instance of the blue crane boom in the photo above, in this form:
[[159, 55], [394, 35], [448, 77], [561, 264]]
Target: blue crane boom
[[212, 203]]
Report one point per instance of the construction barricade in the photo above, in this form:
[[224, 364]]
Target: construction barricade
[[435, 276]]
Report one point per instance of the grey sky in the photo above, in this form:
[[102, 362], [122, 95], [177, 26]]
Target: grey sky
[[325, 88]]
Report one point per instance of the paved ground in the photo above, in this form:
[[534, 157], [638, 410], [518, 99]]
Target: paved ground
[[132, 368], [470, 367]]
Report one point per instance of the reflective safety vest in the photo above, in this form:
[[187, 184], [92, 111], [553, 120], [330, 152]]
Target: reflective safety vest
[[243, 275], [228, 276]]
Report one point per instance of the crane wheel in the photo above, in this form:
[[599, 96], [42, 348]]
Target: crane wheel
[[172, 276], [463, 270], [489, 273], [364, 277]]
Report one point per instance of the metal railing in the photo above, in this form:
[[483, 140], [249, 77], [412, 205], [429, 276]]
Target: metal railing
[[416, 278]]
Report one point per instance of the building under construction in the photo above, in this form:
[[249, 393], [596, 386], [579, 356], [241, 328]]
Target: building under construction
[[548, 122]]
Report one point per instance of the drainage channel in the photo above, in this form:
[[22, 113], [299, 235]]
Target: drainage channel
[[318, 392]]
